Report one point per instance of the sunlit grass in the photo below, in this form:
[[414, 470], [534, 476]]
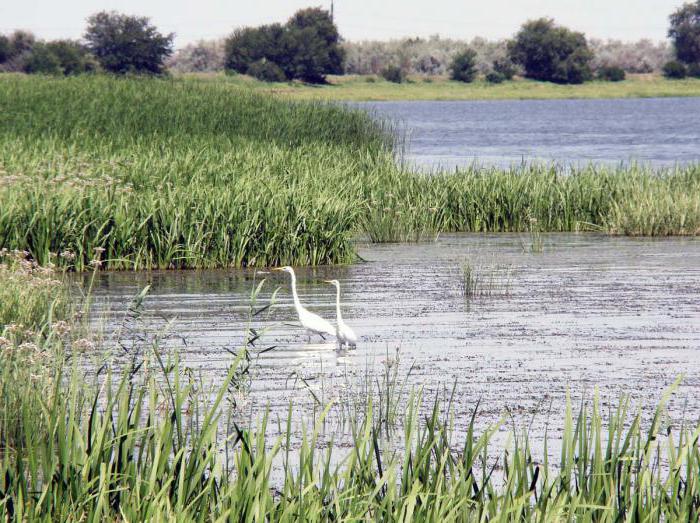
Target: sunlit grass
[[195, 174], [151, 441]]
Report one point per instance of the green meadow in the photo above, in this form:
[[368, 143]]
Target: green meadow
[[164, 173]]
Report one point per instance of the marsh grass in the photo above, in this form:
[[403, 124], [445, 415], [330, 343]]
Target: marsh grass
[[203, 174], [486, 280], [151, 441], [535, 242]]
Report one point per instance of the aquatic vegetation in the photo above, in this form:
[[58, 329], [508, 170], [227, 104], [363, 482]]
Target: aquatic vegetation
[[485, 280], [535, 245], [194, 174], [149, 440]]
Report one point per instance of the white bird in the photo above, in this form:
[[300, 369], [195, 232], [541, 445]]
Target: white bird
[[310, 321], [345, 334]]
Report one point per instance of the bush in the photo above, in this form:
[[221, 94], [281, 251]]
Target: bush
[[394, 73], [551, 53], [675, 70], [505, 68], [685, 33], [266, 71], [40, 60], [494, 77], [4, 49], [127, 44], [694, 70], [611, 73], [463, 66], [307, 47]]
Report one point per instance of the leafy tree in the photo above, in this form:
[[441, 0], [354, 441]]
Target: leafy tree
[[315, 44], [41, 60], [551, 53], [463, 66], [21, 42], [685, 33], [4, 49], [73, 57], [127, 44], [252, 44], [266, 71], [307, 47], [675, 70]]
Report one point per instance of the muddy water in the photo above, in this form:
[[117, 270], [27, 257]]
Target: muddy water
[[619, 313]]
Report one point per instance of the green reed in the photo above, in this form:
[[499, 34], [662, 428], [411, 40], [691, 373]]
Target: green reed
[[187, 174], [148, 440]]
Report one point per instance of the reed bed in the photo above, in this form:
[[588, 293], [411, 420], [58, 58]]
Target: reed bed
[[151, 442], [164, 173]]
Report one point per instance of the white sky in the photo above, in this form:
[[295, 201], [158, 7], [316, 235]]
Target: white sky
[[356, 19]]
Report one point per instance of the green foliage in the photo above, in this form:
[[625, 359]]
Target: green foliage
[[5, 48], [551, 53], [463, 66], [188, 174], [306, 48], [73, 57], [127, 44], [266, 71], [152, 441], [675, 70], [252, 44], [494, 77], [41, 60], [394, 74], [611, 73], [505, 68], [685, 32]]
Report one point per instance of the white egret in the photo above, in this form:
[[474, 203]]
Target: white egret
[[345, 334], [310, 321]]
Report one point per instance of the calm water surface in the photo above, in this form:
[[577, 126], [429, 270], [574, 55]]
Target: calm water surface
[[659, 132], [622, 314]]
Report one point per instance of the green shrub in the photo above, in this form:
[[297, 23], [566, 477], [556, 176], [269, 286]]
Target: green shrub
[[675, 70], [551, 53], [611, 73], [463, 66], [694, 70], [41, 60], [494, 77], [505, 67], [266, 71], [394, 73]]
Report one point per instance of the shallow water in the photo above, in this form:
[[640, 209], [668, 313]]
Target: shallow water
[[658, 132], [622, 314]]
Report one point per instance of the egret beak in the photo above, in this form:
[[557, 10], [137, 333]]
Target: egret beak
[[277, 269], [327, 281]]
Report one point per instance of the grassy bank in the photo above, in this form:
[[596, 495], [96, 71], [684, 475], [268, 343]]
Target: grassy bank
[[150, 442], [375, 88], [133, 174]]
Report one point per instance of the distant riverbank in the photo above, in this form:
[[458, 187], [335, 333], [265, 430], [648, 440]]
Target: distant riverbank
[[375, 88]]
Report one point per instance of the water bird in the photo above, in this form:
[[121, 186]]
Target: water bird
[[344, 334], [309, 320]]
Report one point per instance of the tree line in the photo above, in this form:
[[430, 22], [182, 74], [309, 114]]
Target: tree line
[[308, 47]]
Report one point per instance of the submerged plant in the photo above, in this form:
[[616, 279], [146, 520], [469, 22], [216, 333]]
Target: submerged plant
[[486, 281]]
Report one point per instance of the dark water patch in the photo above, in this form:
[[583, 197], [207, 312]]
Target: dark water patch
[[659, 132]]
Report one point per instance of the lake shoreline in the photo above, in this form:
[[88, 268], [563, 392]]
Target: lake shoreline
[[368, 88]]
